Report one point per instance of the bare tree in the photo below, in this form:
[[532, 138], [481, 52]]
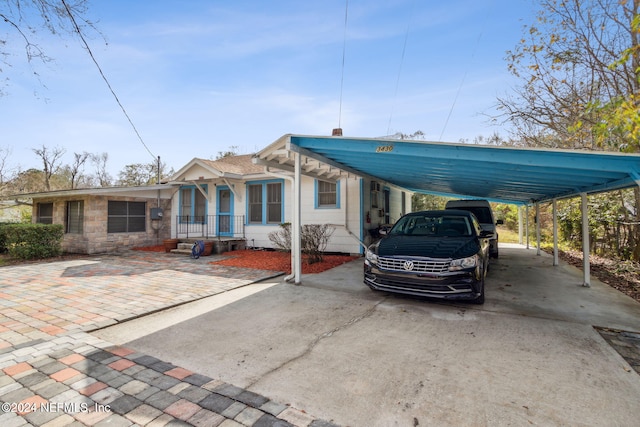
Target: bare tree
[[76, 168], [4, 155], [50, 161], [23, 19], [100, 163]]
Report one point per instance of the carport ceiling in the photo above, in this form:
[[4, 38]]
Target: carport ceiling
[[506, 174]]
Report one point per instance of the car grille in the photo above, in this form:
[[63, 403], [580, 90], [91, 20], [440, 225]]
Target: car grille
[[413, 265]]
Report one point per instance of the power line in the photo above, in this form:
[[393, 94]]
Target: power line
[[344, 49], [86, 45], [464, 77], [404, 48]]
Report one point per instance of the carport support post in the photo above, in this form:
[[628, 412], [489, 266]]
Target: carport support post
[[526, 224], [585, 241], [296, 241], [555, 232], [538, 228], [520, 225]]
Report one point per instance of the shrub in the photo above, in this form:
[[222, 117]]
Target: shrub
[[3, 238], [32, 241], [314, 237]]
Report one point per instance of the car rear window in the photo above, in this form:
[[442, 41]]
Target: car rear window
[[483, 214]]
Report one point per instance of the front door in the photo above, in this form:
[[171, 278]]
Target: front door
[[225, 211]]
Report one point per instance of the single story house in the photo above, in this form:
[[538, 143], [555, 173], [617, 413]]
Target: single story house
[[101, 220], [235, 200], [238, 198]]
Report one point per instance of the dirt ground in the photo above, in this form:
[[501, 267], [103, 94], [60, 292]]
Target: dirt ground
[[621, 275]]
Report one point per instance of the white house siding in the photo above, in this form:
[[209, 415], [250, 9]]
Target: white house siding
[[346, 217], [341, 218], [349, 219]]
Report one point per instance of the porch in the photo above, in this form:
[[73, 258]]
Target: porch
[[227, 227]]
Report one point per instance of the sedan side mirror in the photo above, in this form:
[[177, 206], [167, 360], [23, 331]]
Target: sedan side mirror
[[486, 234], [499, 222]]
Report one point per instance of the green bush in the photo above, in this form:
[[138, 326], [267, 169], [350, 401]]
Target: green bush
[[32, 241], [3, 238]]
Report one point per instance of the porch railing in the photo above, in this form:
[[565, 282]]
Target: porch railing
[[210, 226]]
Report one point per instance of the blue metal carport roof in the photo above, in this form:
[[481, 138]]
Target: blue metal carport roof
[[507, 174]]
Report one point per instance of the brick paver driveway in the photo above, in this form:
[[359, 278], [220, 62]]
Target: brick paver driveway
[[53, 372]]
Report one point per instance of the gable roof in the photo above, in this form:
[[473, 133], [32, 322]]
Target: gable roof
[[225, 167], [240, 165], [507, 174]]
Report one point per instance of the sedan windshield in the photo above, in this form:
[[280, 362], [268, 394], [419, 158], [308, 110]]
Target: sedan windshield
[[429, 225]]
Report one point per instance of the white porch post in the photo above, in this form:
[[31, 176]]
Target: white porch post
[[555, 233], [538, 252], [585, 241], [296, 241]]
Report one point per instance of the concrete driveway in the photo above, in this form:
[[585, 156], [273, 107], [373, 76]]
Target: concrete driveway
[[528, 356]]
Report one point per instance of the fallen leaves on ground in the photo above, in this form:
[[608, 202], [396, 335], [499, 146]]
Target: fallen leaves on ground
[[280, 261]]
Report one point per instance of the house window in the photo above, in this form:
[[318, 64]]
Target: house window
[[327, 194], [45, 213], [265, 202], [193, 205], [126, 217], [75, 217], [255, 203]]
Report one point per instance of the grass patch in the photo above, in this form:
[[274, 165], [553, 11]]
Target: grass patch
[[507, 236]]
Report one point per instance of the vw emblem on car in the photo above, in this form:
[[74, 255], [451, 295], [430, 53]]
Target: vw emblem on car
[[408, 265]]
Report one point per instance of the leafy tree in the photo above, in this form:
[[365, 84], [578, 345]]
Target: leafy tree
[[579, 68], [143, 174], [423, 202], [232, 151], [29, 181]]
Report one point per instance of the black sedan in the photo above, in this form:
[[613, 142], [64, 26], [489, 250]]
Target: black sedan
[[439, 254]]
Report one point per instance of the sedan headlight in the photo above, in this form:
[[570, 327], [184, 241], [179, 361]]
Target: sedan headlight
[[463, 263], [371, 257]]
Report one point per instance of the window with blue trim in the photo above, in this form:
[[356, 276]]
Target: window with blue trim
[[265, 202], [327, 194], [193, 205]]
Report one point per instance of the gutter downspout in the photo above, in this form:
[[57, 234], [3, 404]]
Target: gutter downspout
[[346, 216]]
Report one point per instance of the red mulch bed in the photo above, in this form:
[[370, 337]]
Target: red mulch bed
[[269, 260], [158, 248], [280, 261]]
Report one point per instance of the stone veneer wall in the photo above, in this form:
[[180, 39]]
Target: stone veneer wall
[[94, 238]]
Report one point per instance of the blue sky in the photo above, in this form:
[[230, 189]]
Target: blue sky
[[200, 76]]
